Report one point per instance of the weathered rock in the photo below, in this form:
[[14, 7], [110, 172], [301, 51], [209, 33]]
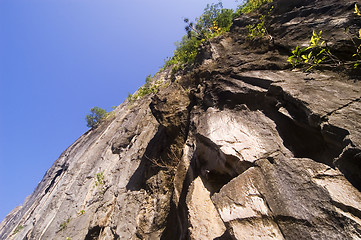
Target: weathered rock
[[243, 207], [236, 147], [204, 220]]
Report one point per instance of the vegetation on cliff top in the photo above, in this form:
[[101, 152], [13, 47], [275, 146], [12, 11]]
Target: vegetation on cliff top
[[251, 5], [97, 115], [214, 21]]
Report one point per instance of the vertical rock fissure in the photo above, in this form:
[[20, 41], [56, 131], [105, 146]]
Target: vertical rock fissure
[[177, 224], [177, 221], [57, 174], [158, 165]]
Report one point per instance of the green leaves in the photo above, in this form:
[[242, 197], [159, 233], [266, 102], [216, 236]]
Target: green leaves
[[252, 5], [99, 182], [297, 56], [149, 87], [313, 55], [99, 179], [357, 11], [96, 116], [257, 31], [214, 21], [315, 40], [358, 50], [357, 55], [18, 229], [64, 224]]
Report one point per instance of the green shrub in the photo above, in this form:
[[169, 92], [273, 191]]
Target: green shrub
[[317, 53], [313, 55], [81, 212], [251, 5], [357, 54], [185, 52], [18, 229], [99, 182], [214, 21], [96, 116], [257, 30], [296, 58], [148, 88], [99, 179], [64, 224]]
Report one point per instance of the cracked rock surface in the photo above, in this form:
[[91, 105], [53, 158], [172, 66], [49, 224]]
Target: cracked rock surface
[[239, 146]]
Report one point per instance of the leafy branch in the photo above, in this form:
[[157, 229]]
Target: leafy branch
[[64, 224], [317, 53], [251, 5], [214, 21], [257, 30]]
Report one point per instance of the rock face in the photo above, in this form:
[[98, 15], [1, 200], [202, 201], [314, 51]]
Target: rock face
[[238, 147]]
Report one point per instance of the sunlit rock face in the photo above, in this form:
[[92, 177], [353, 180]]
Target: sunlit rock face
[[239, 146]]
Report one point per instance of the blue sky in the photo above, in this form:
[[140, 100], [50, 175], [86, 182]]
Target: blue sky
[[58, 59]]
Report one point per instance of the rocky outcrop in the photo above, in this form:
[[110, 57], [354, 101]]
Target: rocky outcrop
[[239, 147]]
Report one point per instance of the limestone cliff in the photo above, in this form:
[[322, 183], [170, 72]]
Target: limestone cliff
[[239, 146]]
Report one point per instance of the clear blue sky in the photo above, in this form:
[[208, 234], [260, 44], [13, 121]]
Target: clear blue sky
[[58, 59]]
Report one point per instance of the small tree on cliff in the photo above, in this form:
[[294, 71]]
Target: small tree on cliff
[[95, 117]]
